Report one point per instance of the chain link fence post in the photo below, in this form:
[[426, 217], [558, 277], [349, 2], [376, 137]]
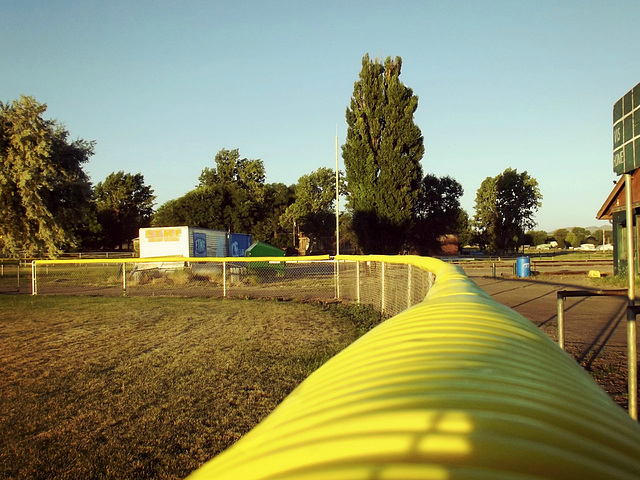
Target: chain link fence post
[[224, 279], [337, 276], [382, 300], [34, 282], [409, 273], [358, 282], [124, 279]]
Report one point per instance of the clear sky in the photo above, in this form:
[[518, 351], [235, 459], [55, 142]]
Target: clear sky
[[161, 86]]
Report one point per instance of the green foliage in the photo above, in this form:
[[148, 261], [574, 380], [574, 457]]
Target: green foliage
[[313, 210], [267, 227], [463, 228], [233, 197], [560, 236], [601, 237], [231, 170], [537, 237], [382, 156], [573, 240], [438, 212], [124, 204], [505, 206], [579, 236], [44, 192]]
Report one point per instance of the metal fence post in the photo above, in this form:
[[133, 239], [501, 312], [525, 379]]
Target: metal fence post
[[358, 281], [561, 320], [336, 272], [409, 286], [124, 279], [632, 363], [224, 279], [382, 303], [34, 284]]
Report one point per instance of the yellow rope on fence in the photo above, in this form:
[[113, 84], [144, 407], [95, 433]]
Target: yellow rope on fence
[[457, 387]]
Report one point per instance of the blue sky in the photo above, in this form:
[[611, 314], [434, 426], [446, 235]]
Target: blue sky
[[162, 86]]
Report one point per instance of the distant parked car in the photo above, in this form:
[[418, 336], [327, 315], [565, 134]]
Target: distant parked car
[[587, 247], [604, 248]]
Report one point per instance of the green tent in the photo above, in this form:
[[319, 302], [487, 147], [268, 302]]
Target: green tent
[[262, 249]]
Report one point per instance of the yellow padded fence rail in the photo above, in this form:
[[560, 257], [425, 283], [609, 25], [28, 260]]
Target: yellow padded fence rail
[[457, 387], [137, 260]]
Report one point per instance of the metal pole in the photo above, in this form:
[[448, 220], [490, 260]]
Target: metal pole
[[631, 318], [224, 279], [560, 321], [630, 252], [124, 279], [382, 305], [336, 272], [409, 286], [632, 364], [34, 286], [358, 281]]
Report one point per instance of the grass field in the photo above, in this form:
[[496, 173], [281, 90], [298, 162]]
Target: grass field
[[149, 387]]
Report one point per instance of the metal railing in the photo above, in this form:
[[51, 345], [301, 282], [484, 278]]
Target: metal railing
[[632, 357]]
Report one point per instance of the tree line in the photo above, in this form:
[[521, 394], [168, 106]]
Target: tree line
[[48, 204], [565, 237]]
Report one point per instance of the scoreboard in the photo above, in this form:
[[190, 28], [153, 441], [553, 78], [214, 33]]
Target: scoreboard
[[626, 132]]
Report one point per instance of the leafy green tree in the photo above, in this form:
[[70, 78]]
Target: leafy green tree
[[219, 207], [231, 170], [267, 228], [538, 237], [598, 236], [382, 156], [313, 210], [124, 204], [581, 235], [463, 228], [231, 196], [44, 192], [572, 240], [437, 212], [560, 235], [505, 206]]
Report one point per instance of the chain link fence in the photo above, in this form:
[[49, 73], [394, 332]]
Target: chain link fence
[[15, 276], [388, 287]]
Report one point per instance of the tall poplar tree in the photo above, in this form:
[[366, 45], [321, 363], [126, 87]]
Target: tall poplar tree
[[382, 156], [44, 193]]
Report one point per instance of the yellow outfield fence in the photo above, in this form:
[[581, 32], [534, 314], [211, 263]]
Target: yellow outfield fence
[[455, 387]]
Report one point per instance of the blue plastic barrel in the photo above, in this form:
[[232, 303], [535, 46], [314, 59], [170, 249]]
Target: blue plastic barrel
[[522, 267]]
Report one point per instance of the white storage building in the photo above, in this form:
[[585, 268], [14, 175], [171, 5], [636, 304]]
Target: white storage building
[[191, 242]]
